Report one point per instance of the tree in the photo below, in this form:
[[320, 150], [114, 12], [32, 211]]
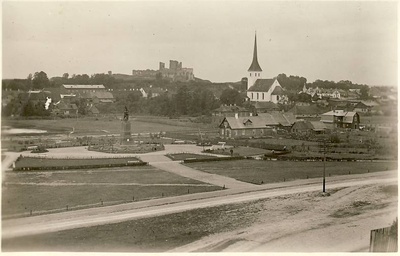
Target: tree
[[65, 76], [40, 80], [230, 96]]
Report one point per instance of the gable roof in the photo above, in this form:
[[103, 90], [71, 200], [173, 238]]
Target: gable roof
[[277, 91], [98, 94], [251, 122], [262, 85], [347, 116], [83, 86]]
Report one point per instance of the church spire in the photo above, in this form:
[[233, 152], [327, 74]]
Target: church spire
[[254, 65]]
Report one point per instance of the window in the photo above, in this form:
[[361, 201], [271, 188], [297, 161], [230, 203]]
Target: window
[[263, 95], [257, 95], [250, 74], [243, 132], [252, 96]]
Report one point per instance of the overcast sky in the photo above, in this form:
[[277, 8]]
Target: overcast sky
[[354, 41]]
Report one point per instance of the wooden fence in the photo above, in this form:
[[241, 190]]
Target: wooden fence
[[384, 240]]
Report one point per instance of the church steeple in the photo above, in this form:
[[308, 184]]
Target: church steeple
[[254, 65]]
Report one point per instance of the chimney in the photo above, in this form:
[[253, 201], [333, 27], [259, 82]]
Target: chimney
[[236, 116]]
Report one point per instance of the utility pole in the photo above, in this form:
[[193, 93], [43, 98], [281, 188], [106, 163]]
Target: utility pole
[[323, 180]]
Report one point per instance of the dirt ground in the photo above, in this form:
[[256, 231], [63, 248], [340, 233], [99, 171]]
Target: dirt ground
[[310, 222]]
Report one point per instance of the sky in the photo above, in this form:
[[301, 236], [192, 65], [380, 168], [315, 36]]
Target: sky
[[333, 41]]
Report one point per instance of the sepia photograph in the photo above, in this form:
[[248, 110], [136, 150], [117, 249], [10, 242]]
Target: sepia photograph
[[199, 126]]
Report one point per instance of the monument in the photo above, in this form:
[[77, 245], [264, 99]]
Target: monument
[[125, 128]]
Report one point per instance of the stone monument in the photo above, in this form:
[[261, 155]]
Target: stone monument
[[126, 127]]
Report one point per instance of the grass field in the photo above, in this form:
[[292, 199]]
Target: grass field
[[48, 162], [184, 156], [258, 172], [52, 190], [91, 125]]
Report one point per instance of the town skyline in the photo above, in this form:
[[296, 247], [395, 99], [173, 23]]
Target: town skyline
[[354, 41]]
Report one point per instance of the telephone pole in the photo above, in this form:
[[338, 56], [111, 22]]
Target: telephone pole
[[323, 180]]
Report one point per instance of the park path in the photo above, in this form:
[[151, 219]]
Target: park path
[[166, 164]]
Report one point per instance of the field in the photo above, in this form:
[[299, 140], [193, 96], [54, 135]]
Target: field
[[259, 172], [100, 125], [59, 163], [54, 190]]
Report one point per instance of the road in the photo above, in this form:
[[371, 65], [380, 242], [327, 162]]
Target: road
[[120, 213]]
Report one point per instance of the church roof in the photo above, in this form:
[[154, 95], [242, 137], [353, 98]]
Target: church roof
[[262, 85], [278, 91], [254, 64]]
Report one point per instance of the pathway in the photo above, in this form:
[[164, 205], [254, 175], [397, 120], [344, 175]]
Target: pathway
[[166, 164]]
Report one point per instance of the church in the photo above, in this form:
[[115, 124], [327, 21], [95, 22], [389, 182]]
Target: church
[[259, 89]]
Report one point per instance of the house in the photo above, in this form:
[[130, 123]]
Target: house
[[245, 127], [320, 93], [341, 119], [152, 92], [305, 127], [62, 108], [311, 111], [263, 90], [229, 111], [361, 107], [255, 126], [92, 93], [284, 120]]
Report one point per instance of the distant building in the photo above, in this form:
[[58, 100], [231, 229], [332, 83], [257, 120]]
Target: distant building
[[93, 93], [263, 90], [320, 93], [305, 127], [254, 126], [229, 111], [341, 119], [176, 72]]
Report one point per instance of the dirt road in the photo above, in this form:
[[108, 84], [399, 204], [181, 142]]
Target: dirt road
[[114, 214]]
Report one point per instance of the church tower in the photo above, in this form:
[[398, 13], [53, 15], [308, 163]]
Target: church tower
[[255, 71]]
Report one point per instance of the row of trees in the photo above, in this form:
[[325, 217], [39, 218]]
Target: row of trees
[[186, 101]]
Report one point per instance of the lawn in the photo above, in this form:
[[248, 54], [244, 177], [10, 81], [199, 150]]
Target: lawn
[[54, 190], [259, 172], [184, 156], [48, 162]]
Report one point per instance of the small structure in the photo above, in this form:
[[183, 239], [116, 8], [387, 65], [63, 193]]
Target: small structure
[[305, 127], [341, 119], [125, 127]]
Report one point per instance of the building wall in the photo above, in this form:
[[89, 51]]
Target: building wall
[[245, 133]]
